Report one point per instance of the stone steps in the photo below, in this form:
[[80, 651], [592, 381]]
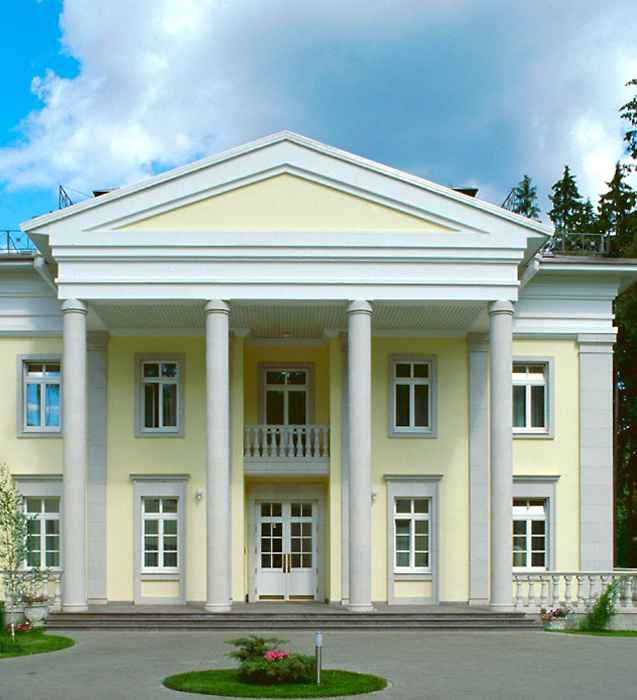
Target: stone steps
[[296, 621]]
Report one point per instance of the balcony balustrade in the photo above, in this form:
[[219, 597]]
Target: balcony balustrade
[[286, 448]]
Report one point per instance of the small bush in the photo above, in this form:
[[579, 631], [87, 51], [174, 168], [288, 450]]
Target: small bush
[[601, 610], [263, 664], [9, 644]]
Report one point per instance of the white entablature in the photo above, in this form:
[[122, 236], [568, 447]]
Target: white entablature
[[286, 218]]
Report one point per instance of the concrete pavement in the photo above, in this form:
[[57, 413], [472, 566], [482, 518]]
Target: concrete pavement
[[528, 665]]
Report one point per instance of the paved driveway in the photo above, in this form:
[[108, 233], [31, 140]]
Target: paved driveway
[[531, 665]]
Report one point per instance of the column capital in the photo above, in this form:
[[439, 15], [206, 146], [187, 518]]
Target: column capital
[[74, 305], [503, 306], [217, 306], [359, 306]]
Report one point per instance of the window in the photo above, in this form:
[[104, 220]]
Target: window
[[40, 396], [412, 395], [159, 396], [286, 393], [411, 533], [530, 533], [160, 524], [530, 397], [43, 532]]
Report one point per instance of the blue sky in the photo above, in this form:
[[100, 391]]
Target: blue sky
[[462, 92]]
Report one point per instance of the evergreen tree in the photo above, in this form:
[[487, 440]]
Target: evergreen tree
[[524, 197], [618, 212], [629, 112], [569, 212]]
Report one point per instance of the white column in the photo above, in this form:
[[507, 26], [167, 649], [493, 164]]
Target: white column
[[360, 435], [500, 367], [74, 455], [218, 525]]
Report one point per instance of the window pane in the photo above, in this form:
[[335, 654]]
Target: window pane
[[169, 369], [296, 510], [151, 543], [403, 505], [297, 377], [52, 369], [536, 369], [33, 405], [51, 505], [276, 513], [169, 406], [34, 505], [519, 527], [266, 509], [273, 377], [52, 406], [52, 527], [34, 369], [421, 370], [537, 407], [52, 558], [519, 408], [296, 408], [151, 369], [274, 403], [403, 370], [538, 559], [151, 405], [421, 559], [402, 405], [421, 405], [151, 505], [402, 558], [169, 505], [170, 527], [151, 527], [519, 558], [421, 505], [421, 527], [170, 559], [151, 559]]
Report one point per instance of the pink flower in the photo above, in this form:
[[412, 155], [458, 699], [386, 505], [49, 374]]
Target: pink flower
[[275, 655]]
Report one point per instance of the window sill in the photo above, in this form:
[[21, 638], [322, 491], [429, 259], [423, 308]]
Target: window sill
[[159, 434], [413, 575], [160, 575], [412, 434], [521, 435], [39, 434]]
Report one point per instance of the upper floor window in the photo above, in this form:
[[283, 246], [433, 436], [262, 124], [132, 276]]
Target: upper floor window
[[286, 394], [530, 397], [530, 550], [43, 532], [412, 394], [159, 395], [41, 384]]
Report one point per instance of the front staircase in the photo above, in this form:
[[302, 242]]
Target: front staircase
[[462, 619]]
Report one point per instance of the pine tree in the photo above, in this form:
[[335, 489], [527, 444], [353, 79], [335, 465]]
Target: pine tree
[[569, 212], [616, 209], [629, 112], [524, 197]]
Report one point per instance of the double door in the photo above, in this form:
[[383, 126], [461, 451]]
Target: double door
[[286, 550]]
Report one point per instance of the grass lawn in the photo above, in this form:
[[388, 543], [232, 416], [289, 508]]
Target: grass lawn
[[36, 642], [603, 633], [225, 682]]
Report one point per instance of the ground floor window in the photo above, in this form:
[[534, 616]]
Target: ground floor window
[[411, 532], [160, 517], [43, 532], [530, 533]]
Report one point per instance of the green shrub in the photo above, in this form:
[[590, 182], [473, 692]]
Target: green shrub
[[9, 644], [262, 663], [601, 610]]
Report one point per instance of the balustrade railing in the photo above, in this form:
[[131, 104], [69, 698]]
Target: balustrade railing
[[286, 442], [573, 589], [46, 583]]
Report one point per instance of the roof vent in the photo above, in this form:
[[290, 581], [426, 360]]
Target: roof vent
[[99, 193]]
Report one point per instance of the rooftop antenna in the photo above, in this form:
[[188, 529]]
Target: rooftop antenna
[[65, 200]]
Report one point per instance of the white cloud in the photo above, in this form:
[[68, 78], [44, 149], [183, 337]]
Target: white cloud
[[462, 91]]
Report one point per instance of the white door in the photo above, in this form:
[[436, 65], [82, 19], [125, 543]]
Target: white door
[[286, 550]]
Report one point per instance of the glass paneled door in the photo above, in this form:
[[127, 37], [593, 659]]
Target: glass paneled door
[[286, 550]]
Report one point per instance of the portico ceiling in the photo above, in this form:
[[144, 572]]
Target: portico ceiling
[[272, 321]]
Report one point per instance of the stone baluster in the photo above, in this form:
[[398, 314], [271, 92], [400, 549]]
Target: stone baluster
[[544, 591], [519, 600], [555, 590], [531, 591], [568, 597], [580, 592]]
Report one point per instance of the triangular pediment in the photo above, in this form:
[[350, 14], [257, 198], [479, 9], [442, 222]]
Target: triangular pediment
[[285, 202]]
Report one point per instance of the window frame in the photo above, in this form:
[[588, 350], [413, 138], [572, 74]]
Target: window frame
[[412, 486], [430, 431], [42, 517], [162, 431], [161, 517], [21, 401], [159, 486], [412, 517], [532, 487], [548, 430], [44, 486], [264, 367]]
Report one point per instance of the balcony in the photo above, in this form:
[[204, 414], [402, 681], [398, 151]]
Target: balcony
[[286, 450]]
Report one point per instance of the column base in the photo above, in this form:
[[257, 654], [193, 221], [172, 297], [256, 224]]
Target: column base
[[502, 607], [217, 608], [74, 607], [360, 608]]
